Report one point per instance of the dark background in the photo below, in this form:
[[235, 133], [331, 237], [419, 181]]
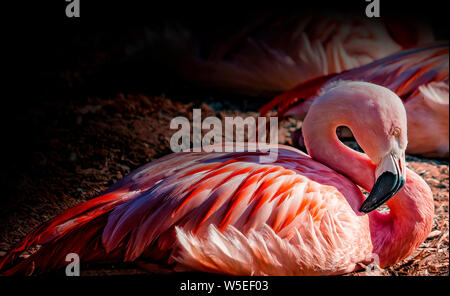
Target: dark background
[[41, 41]]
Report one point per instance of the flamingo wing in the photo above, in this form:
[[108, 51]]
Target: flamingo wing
[[214, 212], [403, 73]]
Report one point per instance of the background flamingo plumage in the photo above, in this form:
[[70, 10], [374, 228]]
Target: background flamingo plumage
[[267, 55], [419, 76]]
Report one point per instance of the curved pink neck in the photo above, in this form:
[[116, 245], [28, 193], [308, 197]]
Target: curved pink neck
[[397, 234]]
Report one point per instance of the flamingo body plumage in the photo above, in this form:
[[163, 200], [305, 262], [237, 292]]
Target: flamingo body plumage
[[230, 213]]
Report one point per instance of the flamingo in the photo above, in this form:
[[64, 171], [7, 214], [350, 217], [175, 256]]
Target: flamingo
[[269, 55], [419, 76], [227, 212]]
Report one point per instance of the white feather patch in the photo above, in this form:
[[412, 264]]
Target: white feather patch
[[313, 250]]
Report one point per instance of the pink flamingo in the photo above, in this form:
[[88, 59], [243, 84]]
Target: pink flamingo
[[230, 213], [419, 76]]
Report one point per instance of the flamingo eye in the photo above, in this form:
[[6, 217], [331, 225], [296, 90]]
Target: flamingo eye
[[396, 132]]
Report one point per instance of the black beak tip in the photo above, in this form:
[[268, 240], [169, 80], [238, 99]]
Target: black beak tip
[[386, 186], [368, 206], [365, 209]]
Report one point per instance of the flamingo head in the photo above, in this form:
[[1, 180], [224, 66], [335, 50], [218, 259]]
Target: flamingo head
[[390, 178], [377, 118], [381, 129]]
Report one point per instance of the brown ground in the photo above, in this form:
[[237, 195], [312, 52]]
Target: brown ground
[[84, 146]]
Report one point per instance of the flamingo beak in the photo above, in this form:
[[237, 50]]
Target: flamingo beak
[[390, 178]]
